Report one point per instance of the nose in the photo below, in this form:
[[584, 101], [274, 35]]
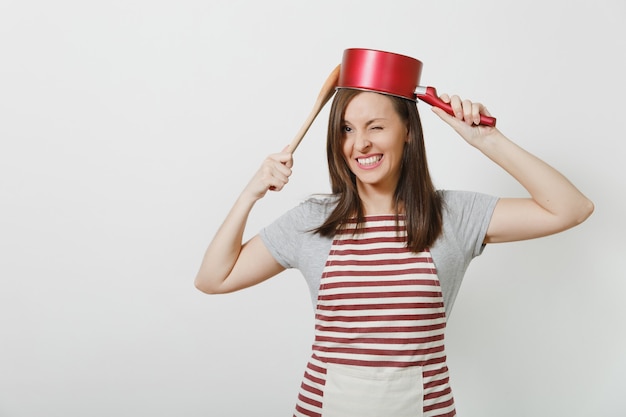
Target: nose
[[362, 142]]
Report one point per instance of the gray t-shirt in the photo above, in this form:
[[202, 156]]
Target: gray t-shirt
[[466, 216]]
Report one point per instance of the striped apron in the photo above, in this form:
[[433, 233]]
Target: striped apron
[[379, 330]]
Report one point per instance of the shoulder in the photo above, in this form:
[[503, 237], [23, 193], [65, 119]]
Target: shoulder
[[459, 196], [466, 214], [291, 238], [307, 215], [455, 201], [315, 209], [321, 202]]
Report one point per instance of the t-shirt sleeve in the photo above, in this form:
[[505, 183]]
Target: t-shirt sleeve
[[471, 217], [466, 217], [286, 236], [281, 237]]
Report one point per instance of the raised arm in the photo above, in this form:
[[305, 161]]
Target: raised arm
[[228, 265], [554, 205]]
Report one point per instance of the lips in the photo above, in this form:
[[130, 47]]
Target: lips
[[370, 161]]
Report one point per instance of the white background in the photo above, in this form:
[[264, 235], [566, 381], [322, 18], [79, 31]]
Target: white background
[[128, 127]]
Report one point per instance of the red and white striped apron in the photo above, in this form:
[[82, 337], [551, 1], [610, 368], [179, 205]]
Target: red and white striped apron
[[379, 330]]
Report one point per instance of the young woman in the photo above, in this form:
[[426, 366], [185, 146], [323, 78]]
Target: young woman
[[385, 254]]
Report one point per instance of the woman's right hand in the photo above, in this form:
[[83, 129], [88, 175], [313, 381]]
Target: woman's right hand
[[228, 265], [273, 174]]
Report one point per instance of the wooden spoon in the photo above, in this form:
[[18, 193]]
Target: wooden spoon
[[327, 91]]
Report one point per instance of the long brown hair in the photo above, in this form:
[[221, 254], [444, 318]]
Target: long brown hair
[[415, 190]]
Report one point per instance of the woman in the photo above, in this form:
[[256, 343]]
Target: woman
[[385, 254]]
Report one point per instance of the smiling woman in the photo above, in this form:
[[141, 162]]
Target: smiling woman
[[361, 125], [385, 254], [373, 144]]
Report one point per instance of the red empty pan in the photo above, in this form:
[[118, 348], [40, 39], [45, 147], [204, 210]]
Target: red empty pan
[[389, 73]]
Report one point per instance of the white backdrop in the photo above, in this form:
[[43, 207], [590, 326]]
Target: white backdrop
[[128, 127]]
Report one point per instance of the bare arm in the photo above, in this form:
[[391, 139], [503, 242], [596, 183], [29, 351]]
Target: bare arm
[[228, 265], [554, 205]]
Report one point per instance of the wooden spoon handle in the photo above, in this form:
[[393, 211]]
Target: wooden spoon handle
[[327, 91]]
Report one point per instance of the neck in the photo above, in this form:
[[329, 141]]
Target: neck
[[376, 201]]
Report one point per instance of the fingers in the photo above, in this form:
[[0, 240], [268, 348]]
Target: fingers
[[287, 156], [275, 171], [275, 174], [465, 110]]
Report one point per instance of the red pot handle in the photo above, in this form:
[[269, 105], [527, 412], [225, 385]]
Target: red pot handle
[[429, 95]]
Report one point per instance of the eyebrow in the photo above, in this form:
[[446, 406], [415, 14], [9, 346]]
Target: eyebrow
[[378, 119]]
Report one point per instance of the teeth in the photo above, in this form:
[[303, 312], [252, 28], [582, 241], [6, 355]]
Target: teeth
[[368, 161]]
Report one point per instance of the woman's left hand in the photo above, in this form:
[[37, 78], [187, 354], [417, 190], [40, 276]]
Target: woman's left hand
[[466, 119], [554, 204]]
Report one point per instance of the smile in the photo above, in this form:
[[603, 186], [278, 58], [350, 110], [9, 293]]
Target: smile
[[369, 161]]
